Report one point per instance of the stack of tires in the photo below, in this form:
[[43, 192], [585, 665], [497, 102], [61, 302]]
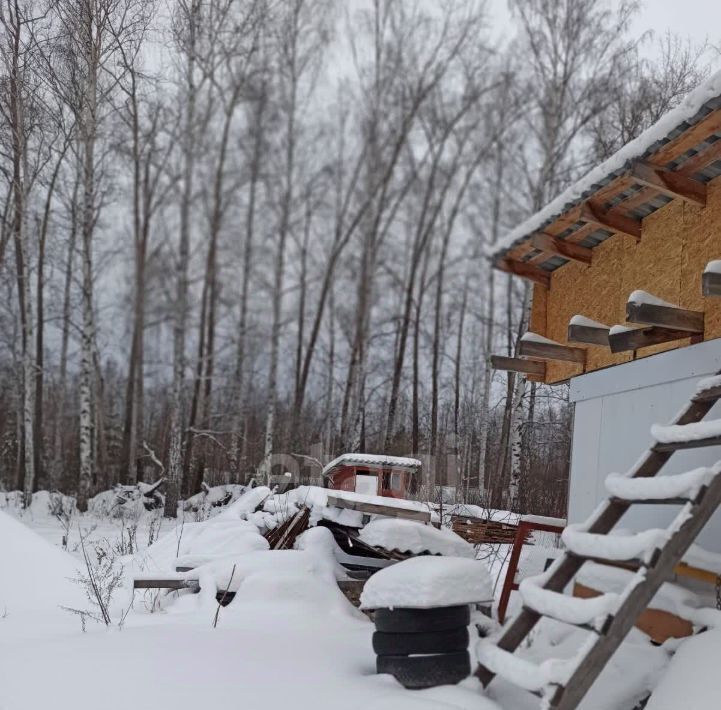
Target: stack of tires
[[423, 648]]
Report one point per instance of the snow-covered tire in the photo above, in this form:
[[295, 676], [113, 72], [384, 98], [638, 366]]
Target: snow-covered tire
[[450, 641], [426, 671], [412, 621]]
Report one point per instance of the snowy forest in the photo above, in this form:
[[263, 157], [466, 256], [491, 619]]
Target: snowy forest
[[240, 237]]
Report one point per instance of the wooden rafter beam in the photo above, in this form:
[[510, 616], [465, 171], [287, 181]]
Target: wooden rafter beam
[[592, 213], [517, 364], [588, 334], [711, 280], [664, 316], [525, 271], [702, 159], [559, 247], [669, 183], [634, 338], [547, 350], [688, 139], [634, 201]]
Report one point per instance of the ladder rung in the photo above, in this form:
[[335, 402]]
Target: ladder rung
[[630, 565], [652, 501], [599, 630], [710, 395], [692, 444]]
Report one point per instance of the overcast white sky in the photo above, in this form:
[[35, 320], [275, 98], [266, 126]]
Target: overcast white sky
[[698, 19]]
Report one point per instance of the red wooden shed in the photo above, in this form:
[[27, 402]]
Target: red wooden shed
[[373, 474]]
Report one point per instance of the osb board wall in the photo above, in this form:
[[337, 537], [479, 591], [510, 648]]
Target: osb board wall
[[677, 242]]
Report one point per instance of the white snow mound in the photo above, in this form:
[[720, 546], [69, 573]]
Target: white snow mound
[[410, 536], [424, 582], [34, 575]]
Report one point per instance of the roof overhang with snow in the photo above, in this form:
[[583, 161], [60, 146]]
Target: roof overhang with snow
[[674, 159], [373, 461]]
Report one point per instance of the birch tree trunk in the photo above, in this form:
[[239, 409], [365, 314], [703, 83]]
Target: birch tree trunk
[[191, 15]]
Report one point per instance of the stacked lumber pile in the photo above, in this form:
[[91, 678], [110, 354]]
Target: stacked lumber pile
[[284, 536], [479, 531]]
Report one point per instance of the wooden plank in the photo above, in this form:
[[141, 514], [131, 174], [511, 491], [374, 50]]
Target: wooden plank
[[669, 183], [162, 583], [423, 516], [551, 351], [589, 212], [517, 364], [643, 337], [559, 247], [587, 334], [684, 570], [700, 161], [665, 316], [632, 202], [693, 444], [525, 271], [711, 284], [689, 139]]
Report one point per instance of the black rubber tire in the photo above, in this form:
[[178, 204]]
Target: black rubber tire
[[416, 672], [451, 641], [411, 621]]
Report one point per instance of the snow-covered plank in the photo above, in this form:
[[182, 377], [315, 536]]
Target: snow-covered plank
[[375, 508], [517, 364], [708, 389], [711, 279], [624, 339], [686, 433], [563, 607], [534, 345], [637, 546], [587, 331], [559, 247], [646, 309], [682, 485]]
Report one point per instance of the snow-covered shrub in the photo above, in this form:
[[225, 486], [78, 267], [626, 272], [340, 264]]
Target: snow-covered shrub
[[127, 501], [213, 499]]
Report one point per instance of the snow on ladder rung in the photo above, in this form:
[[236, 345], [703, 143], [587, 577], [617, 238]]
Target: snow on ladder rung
[[678, 486], [641, 545], [591, 612], [708, 388], [685, 433], [525, 674]]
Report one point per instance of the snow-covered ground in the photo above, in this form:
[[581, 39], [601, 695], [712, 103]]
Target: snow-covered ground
[[288, 639]]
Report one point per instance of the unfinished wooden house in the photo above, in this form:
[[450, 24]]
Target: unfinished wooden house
[[627, 298]]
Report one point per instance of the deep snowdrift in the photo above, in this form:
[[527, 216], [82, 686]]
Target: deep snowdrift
[[34, 575]]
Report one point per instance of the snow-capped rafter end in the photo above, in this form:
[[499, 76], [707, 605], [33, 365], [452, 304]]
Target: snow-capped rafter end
[[623, 339], [647, 309], [711, 279], [533, 345], [587, 331]]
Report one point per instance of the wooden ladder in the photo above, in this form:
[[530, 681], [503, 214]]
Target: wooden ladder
[[658, 567]]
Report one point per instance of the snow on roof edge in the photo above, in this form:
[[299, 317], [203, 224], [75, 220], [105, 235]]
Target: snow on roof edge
[[373, 459], [652, 139]]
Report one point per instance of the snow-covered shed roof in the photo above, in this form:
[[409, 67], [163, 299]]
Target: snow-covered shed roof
[[686, 141], [377, 460]]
